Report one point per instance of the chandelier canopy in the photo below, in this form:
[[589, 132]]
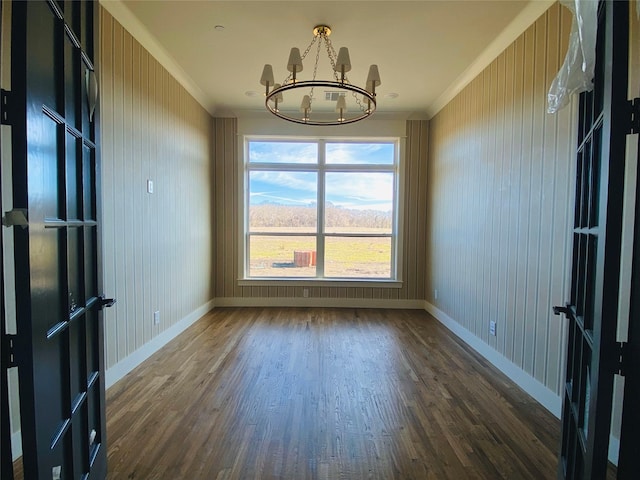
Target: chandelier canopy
[[352, 103]]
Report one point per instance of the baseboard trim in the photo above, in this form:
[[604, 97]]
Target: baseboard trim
[[529, 384], [318, 302], [124, 366]]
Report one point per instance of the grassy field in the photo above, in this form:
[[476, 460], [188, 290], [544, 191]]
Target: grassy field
[[344, 257]]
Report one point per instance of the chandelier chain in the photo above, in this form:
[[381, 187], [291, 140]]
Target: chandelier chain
[[315, 67], [331, 53]]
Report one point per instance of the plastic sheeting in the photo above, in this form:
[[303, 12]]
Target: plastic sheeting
[[576, 73]]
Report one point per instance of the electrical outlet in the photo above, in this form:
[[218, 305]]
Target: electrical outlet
[[156, 317], [492, 328], [305, 292]]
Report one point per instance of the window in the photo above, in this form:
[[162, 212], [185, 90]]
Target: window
[[321, 209]]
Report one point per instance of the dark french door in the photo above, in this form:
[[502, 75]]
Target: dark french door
[[593, 356], [58, 348]]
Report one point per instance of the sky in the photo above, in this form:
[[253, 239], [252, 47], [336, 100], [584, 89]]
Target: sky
[[360, 191]]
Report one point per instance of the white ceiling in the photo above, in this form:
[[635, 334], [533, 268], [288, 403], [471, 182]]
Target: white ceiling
[[425, 50]]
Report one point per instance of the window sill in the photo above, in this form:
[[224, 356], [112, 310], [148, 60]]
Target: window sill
[[315, 282]]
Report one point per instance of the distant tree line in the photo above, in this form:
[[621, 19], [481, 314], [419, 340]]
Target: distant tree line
[[275, 215]]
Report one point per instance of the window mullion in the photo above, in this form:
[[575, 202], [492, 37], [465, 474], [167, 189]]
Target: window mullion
[[321, 209]]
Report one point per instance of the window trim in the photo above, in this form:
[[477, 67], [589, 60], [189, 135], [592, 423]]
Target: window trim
[[321, 167]]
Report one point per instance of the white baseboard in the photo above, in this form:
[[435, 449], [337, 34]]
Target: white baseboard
[[529, 384], [318, 302], [124, 366]]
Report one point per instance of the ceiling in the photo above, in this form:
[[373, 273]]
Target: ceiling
[[425, 50]]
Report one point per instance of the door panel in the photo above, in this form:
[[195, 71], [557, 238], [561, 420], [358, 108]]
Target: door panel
[[59, 315], [592, 310]]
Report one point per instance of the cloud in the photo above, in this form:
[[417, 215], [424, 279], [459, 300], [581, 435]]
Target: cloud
[[360, 153], [365, 187], [354, 190], [304, 181], [283, 152]]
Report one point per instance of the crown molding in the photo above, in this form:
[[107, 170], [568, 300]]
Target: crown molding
[[517, 27], [136, 28]]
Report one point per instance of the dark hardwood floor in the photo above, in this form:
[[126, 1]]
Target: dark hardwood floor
[[326, 394], [323, 393]]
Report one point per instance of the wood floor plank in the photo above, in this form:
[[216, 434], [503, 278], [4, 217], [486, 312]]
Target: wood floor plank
[[324, 393]]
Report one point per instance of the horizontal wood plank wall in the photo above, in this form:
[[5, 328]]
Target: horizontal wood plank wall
[[500, 203], [157, 248], [226, 180]]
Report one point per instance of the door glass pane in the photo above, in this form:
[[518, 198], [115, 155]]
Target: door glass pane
[[92, 350], [45, 52], [56, 390], [72, 88], [90, 275], [86, 28], [75, 274], [61, 458], [73, 171], [282, 256], [587, 398], [359, 202], [77, 353], [283, 201], [94, 419], [349, 257], [594, 178], [51, 147], [573, 356], [590, 280], [80, 442], [89, 182], [48, 259]]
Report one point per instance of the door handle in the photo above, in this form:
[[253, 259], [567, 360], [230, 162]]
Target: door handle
[[105, 302], [558, 310]]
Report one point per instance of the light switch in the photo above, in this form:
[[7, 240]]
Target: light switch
[[149, 186]]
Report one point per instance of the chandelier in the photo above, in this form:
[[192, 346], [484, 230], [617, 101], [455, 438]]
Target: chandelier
[[350, 102]]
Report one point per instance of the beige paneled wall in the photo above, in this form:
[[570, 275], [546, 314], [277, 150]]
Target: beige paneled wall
[[157, 248], [225, 147], [227, 198], [500, 203]]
